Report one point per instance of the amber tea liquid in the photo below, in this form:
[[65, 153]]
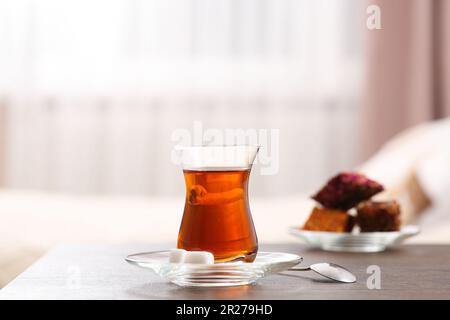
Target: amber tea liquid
[[217, 215]]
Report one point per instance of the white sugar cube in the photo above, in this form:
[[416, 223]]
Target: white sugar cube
[[199, 257], [177, 255]]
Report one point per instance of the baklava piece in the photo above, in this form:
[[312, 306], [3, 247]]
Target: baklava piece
[[375, 216], [323, 219], [346, 190]]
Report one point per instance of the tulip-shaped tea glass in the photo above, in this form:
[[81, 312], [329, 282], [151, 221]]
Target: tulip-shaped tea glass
[[217, 215]]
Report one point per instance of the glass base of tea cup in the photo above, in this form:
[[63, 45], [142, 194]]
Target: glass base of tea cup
[[233, 256], [225, 279], [248, 257]]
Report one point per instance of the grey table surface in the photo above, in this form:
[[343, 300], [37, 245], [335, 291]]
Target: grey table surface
[[100, 272]]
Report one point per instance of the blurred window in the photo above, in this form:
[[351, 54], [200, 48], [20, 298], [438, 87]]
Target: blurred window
[[94, 88]]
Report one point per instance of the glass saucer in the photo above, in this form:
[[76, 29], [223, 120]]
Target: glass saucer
[[355, 241], [214, 275]]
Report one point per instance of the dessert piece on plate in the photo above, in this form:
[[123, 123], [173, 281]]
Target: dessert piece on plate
[[346, 190], [373, 216], [341, 193], [324, 219]]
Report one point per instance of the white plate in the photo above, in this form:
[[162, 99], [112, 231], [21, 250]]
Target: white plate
[[214, 275], [356, 241]]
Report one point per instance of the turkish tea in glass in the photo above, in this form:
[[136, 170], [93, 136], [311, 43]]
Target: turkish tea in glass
[[216, 214]]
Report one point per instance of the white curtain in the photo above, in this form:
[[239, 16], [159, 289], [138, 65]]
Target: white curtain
[[93, 89]]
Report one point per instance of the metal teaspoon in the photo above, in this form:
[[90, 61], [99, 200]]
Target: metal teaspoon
[[329, 270]]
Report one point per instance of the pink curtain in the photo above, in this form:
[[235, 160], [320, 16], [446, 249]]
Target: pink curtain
[[407, 70], [2, 141]]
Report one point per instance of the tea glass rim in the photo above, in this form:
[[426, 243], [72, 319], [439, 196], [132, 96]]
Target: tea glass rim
[[214, 157]]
